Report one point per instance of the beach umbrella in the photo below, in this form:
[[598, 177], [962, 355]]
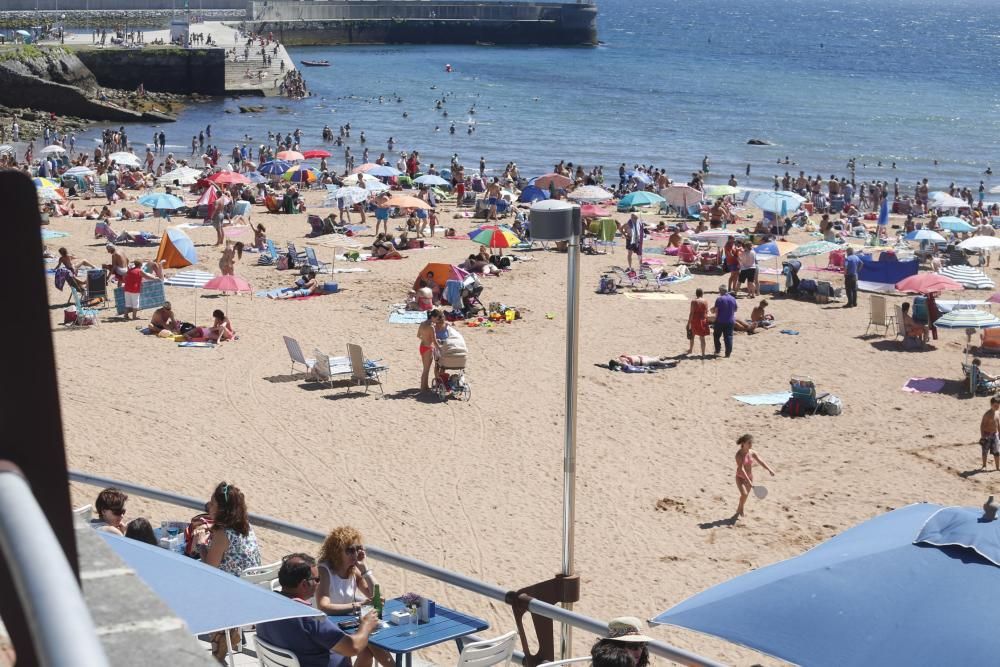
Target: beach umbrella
[[274, 167], [590, 193], [255, 177], [183, 176], [407, 201], [594, 211], [970, 277], [928, 283], [291, 156], [977, 243], [924, 235], [208, 197], [815, 248], [773, 201], [945, 200], [715, 191], [350, 194], [300, 174], [384, 170], [6, 148], [49, 194], [639, 198], [316, 154], [430, 179], [719, 236], [775, 248], [176, 249], [23, 33], [681, 196], [226, 284], [206, 598], [78, 171], [954, 224], [639, 176], [52, 149], [967, 318], [493, 236], [127, 159], [903, 588], [531, 194], [559, 181], [44, 183], [362, 168], [442, 273], [227, 178], [162, 201]]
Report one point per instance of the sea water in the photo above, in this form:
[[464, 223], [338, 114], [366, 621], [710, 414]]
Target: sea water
[[907, 81]]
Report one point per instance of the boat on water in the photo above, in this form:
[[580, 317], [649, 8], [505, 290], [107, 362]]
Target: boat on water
[[315, 63]]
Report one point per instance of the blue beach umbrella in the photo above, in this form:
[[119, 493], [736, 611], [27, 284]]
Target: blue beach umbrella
[[531, 194], [640, 198], [383, 170], [161, 201], [255, 177], [429, 179], [954, 224], [204, 597], [924, 235], [908, 587], [274, 168], [773, 201]]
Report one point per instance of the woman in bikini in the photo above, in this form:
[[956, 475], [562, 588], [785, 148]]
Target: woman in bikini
[[745, 458], [698, 321], [427, 343]]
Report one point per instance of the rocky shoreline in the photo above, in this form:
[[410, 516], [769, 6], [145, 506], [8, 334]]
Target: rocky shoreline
[[110, 18]]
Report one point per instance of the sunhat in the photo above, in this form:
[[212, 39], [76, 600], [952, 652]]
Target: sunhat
[[626, 629]]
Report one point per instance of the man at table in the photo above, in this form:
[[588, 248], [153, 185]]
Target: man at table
[[316, 641]]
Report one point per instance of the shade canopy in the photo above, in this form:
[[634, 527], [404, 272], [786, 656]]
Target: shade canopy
[[228, 283], [531, 194], [556, 180], [176, 249], [290, 156], [204, 597], [494, 236], [721, 190], [430, 179], [980, 243], [300, 174], [350, 194], [442, 274], [407, 201], [316, 154], [925, 235], [54, 148], [383, 170], [274, 167], [183, 176], [228, 178], [954, 224], [815, 248], [640, 198], [775, 248], [161, 201], [881, 593], [127, 159], [778, 201]]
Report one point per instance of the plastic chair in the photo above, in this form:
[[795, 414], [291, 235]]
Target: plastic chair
[[567, 661], [265, 576], [364, 371], [270, 655], [877, 316], [489, 652], [295, 353]]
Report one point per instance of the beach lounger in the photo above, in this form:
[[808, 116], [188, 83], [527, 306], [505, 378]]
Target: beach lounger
[[877, 314], [314, 263], [365, 370], [295, 354]]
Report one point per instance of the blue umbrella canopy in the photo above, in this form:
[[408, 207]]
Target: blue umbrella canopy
[[255, 177], [206, 598], [954, 224], [383, 170], [274, 167], [640, 198], [161, 201], [532, 194], [429, 179], [924, 235], [881, 593]]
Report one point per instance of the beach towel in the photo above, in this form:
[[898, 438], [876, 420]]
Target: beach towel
[[361, 257], [924, 385], [407, 317], [378, 259], [790, 332], [48, 234], [281, 290], [189, 279], [654, 296], [777, 398], [195, 343]]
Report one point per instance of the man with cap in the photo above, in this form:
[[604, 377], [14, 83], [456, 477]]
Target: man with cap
[[624, 646], [725, 319]]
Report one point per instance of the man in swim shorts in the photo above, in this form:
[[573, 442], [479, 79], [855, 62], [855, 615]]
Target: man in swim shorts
[[382, 213], [119, 263], [493, 198], [989, 433], [427, 342]]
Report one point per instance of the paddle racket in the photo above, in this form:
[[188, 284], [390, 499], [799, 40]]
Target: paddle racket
[[760, 491]]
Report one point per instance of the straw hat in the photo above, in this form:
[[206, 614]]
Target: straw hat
[[626, 629]]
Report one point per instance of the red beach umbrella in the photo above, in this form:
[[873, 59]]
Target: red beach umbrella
[[228, 178], [309, 155]]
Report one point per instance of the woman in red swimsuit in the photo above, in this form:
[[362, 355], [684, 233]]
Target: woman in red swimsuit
[[698, 321], [745, 458]]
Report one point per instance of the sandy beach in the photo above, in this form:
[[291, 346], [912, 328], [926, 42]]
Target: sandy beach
[[476, 487]]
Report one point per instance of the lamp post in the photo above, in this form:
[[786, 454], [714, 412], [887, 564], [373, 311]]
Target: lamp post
[[554, 220]]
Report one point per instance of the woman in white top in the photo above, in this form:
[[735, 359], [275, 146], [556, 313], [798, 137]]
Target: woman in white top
[[346, 581]]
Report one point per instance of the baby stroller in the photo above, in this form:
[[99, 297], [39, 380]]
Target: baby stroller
[[449, 366], [791, 270]]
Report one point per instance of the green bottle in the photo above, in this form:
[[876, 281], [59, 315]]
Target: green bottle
[[377, 601]]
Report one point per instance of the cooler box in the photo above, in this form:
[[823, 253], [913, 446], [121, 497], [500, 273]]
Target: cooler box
[[769, 288], [329, 288]]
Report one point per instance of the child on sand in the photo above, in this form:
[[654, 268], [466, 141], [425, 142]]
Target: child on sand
[[745, 458]]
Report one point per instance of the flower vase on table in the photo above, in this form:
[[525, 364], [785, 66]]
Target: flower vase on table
[[412, 601]]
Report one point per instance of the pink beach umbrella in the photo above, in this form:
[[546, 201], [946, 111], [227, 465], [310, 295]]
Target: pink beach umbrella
[[594, 211], [227, 284]]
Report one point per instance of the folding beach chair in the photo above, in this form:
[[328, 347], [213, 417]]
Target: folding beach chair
[[84, 316], [295, 354], [804, 394], [877, 315], [97, 285], [300, 257], [976, 384], [364, 370], [317, 227], [314, 263], [909, 342]]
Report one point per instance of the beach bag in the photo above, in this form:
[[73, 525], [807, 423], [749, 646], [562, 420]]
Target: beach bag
[[284, 262], [831, 406], [793, 407], [808, 285], [196, 522]]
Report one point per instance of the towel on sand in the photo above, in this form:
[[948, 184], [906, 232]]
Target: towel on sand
[[407, 317], [777, 398]]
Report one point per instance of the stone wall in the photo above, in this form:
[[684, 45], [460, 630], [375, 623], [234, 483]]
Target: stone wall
[[128, 5], [166, 69]]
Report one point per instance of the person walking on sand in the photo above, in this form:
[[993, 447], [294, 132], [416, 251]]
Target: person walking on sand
[[989, 433], [698, 321], [725, 320], [427, 342], [745, 458], [635, 230]]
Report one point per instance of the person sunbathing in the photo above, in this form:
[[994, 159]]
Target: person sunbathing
[[384, 249], [675, 240], [678, 271], [163, 319], [307, 285], [221, 329]]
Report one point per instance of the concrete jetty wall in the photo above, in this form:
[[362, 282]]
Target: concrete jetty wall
[[427, 22], [161, 69], [118, 5]]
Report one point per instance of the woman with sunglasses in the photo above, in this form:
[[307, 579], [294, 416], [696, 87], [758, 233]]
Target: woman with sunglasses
[[110, 507], [346, 582]]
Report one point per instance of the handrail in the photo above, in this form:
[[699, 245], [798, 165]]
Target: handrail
[[586, 623], [62, 630]]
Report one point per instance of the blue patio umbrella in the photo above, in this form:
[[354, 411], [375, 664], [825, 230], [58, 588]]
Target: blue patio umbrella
[[881, 593], [161, 201], [255, 177], [924, 235], [383, 170], [274, 168], [954, 224], [205, 598], [531, 194], [777, 201], [640, 198], [429, 179]]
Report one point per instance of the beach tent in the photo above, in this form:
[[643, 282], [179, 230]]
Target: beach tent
[[882, 276], [531, 194], [177, 249]]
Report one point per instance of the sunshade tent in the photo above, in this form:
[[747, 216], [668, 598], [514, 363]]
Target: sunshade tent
[[881, 593], [681, 196], [970, 277], [442, 274], [531, 194], [590, 193], [176, 249], [639, 198], [204, 597]]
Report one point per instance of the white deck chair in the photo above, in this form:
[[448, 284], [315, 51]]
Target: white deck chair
[[295, 353], [878, 317], [489, 652], [265, 576], [83, 512], [272, 656], [361, 373], [320, 371]]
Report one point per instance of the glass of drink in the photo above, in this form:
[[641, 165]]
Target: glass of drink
[[366, 609]]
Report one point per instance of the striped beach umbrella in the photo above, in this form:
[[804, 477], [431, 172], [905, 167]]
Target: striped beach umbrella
[[969, 277], [300, 174], [274, 168], [967, 318], [815, 248], [925, 235]]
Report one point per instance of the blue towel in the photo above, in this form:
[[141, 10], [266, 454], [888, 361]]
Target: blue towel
[[407, 317], [453, 293], [777, 398]]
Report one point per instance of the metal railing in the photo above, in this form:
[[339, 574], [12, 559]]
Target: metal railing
[[558, 614], [62, 630]]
